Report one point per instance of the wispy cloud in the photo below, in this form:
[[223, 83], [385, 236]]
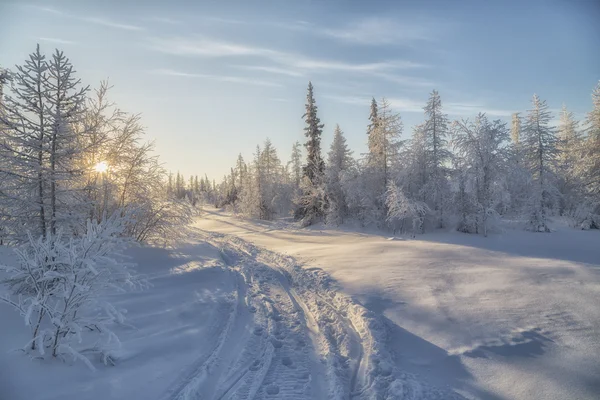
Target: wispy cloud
[[397, 103], [221, 78], [111, 24], [379, 31], [472, 109], [94, 20], [206, 47], [162, 20], [291, 64], [271, 70], [56, 40], [45, 9]]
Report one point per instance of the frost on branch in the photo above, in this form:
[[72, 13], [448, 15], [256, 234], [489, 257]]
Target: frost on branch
[[58, 284]]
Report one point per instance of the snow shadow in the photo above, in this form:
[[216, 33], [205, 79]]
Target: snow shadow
[[567, 245], [531, 344]]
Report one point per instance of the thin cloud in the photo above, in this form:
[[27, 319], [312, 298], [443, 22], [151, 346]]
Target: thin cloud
[[472, 109], [271, 70], [285, 63], [45, 9], [94, 20], [379, 31], [221, 78], [207, 48], [374, 31], [111, 24], [162, 20], [56, 40], [397, 103]]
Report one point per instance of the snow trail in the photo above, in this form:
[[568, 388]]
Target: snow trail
[[303, 306]]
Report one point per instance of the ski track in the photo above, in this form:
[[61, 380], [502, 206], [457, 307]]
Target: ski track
[[291, 335]]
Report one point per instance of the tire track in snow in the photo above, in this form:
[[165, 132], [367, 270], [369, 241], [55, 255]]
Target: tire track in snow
[[352, 340], [189, 386]]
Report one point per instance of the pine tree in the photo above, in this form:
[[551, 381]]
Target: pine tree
[[240, 170], [435, 130], [24, 149], [339, 163], [312, 203], [540, 155], [373, 117], [570, 155], [384, 142], [592, 146], [313, 169], [66, 100], [479, 146], [296, 163], [517, 176]]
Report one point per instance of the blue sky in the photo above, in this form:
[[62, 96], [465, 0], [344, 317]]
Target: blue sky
[[214, 78]]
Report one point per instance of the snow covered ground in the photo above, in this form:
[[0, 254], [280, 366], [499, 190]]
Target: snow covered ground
[[255, 310], [512, 316]]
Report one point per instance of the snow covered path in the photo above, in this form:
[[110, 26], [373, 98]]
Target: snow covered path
[[513, 316], [253, 310], [225, 319]]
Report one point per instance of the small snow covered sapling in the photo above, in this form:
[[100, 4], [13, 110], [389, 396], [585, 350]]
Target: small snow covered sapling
[[58, 284]]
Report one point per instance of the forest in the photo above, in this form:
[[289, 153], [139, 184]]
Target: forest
[[473, 175]]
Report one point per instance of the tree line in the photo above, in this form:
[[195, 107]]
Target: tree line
[[466, 174]]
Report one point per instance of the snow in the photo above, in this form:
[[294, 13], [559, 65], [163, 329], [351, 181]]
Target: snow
[[258, 310], [515, 315]]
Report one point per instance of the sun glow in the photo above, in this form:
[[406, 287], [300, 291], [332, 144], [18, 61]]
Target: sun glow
[[101, 167]]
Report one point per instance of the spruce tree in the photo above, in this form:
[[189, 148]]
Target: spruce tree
[[436, 130], [313, 169], [540, 155], [339, 163], [312, 202]]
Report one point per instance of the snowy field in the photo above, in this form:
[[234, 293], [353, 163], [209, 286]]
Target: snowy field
[[257, 310]]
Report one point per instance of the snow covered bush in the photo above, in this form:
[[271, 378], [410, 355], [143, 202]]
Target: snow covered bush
[[402, 210], [58, 284]]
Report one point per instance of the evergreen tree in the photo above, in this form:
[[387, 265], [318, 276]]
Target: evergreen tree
[[479, 146], [339, 163], [66, 99], [435, 130], [312, 201], [313, 169], [570, 156], [540, 155], [592, 146], [296, 163], [24, 150]]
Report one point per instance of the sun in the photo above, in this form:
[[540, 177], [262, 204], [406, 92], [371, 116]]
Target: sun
[[101, 167]]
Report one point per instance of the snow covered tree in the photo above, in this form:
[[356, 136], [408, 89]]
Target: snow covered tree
[[339, 164], [435, 131], [589, 210], [24, 147], [240, 170], [518, 176], [592, 145], [309, 208], [540, 153], [569, 160], [66, 100], [384, 144], [295, 164], [57, 287], [479, 145], [401, 210]]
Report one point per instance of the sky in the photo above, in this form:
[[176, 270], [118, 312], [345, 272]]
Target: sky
[[215, 78]]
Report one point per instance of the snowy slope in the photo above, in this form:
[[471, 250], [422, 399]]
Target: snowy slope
[[513, 316], [225, 319]]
